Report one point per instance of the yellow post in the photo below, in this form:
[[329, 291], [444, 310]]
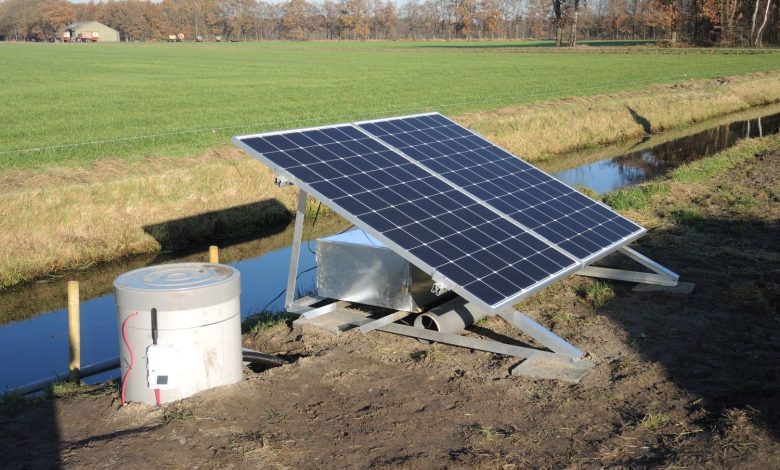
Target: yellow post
[[74, 330], [214, 254]]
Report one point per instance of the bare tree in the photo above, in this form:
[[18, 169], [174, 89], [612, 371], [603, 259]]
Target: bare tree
[[758, 42], [573, 34], [558, 10], [753, 21]]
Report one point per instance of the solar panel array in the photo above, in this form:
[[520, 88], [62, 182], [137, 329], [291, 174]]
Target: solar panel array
[[537, 201], [449, 201]]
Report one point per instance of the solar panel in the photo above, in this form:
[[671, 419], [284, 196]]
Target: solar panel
[[426, 219], [582, 227]]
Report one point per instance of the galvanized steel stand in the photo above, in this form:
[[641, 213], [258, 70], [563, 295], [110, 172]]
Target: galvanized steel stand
[[295, 254]]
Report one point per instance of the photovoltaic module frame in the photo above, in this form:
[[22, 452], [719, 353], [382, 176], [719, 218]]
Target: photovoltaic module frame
[[479, 220]]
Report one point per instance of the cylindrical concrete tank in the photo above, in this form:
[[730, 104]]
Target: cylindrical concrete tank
[[198, 325]]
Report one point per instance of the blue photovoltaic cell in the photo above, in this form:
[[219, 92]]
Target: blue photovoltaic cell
[[565, 217], [489, 257]]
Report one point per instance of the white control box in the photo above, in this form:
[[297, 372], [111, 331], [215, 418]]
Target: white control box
[[161, 366]]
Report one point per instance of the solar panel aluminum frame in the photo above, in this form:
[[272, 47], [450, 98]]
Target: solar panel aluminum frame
[[505, 305], [583, 261]]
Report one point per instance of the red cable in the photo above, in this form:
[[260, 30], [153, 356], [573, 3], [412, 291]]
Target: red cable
[[130, 350]]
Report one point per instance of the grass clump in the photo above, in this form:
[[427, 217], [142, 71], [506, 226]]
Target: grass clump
[[494, 433], [265, 321], [588, 192], [686, 216], [653, 419], [597, 294], [704, 169], [634, 198], [755, 296], [172, 415], [63, 389], [739, 436]]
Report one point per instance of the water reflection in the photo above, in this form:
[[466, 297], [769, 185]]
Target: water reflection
[[637, 166]]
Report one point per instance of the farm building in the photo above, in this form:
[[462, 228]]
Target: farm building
[[90, 31]]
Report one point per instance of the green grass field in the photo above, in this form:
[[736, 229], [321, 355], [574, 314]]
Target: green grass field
[[177, 99]]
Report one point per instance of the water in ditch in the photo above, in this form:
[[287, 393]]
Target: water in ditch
[[609, 168], [33, 317]]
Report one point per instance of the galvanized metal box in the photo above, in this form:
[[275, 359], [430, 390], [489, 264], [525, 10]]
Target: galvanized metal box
[[355, 267]]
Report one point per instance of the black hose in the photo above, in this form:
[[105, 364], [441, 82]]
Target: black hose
[[257, 357]]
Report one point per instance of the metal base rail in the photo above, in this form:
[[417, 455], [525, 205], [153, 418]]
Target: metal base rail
[[561, 361], [660, 275]]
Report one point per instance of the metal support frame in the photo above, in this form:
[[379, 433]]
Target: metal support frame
[[295, 253], [563, 361], [559, 347], [384, 321], [660, 276], [545, 337], [474, 343], [561, 350]]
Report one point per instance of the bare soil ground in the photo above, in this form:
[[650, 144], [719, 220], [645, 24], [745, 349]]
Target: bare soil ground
[[681, 381]]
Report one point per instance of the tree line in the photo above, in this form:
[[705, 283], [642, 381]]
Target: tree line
[[743, 23]]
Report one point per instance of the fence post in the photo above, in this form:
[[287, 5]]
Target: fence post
[[74, 330]]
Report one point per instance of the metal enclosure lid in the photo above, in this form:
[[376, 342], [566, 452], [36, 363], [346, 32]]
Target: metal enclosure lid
[[179, 286], [354, 237]]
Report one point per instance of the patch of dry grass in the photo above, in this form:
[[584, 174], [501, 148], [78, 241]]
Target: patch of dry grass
[[58, 219], [536, 131]]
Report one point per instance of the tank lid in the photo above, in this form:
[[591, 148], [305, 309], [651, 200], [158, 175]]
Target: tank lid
[[175, 277], [178, 286]]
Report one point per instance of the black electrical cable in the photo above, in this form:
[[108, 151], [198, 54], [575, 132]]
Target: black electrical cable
[[311, 230], [285, 289]]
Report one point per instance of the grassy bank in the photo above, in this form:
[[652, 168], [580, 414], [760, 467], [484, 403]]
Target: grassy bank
[[538, 131], [708, 130], [694, 192], [134, 100], [73, 218], [56, 218]]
